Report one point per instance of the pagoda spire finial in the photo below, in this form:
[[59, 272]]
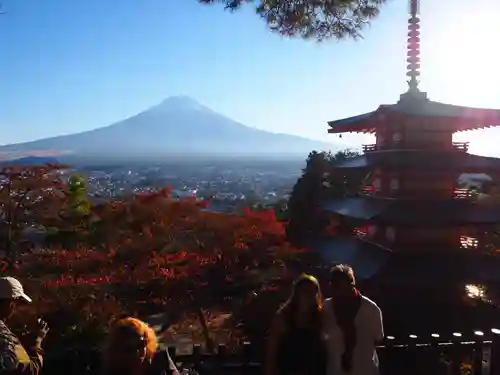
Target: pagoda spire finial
[[413, 47]]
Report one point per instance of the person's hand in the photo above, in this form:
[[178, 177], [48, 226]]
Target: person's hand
[[42, 330]]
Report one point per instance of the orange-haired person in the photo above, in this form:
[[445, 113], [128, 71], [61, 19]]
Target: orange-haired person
[[132, 349]]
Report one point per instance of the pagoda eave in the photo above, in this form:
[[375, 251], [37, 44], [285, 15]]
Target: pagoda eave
[[436, 160], [371, 260], [434, 114], [461, 266], [414, 212], [365, 123], [366, 257]]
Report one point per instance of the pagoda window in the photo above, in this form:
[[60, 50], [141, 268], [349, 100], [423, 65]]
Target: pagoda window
[[394, 184], [397, 137], [390, 234], [380, 140]]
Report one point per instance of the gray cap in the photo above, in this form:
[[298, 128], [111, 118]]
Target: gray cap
[[11, 288]]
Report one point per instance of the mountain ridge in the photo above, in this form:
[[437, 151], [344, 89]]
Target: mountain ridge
[[176, 125]]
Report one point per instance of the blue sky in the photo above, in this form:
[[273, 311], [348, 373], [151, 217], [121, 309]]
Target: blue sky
[[72, 65]]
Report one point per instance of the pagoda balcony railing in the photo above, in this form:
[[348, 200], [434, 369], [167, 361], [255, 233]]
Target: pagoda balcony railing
[[460, 146], [468, 242], [458, 193], [360, 232], [368, 190], [463, 194], [371, 148], [456, 146]]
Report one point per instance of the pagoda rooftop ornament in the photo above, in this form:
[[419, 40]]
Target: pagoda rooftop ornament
[[414, 103]]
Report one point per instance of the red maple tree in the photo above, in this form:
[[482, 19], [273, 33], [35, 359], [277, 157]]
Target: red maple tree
[[150, 253]]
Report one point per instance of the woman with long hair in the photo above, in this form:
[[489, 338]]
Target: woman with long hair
[[132, 349], [296, 344]]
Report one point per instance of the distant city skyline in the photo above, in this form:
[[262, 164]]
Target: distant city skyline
[[73, 66]]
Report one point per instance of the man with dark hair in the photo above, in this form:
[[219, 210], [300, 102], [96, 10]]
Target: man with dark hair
[[14, 358], [353, 324]]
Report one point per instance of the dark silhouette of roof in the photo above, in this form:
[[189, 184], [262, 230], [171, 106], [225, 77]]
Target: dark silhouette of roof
[[367, 258], [414, 211], [427, 266]]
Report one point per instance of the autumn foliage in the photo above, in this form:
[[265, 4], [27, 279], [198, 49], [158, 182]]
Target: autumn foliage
[[146, 254]]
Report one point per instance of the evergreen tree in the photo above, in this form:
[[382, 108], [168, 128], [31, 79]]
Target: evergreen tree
[[305, 200], [72, 225], [316, 19], [306, 217], [78, 199]]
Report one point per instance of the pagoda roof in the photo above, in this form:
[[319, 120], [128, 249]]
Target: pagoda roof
[[411, 106], [414, 211], [428, 266], [465, 162], [450, 265], [366, 257]]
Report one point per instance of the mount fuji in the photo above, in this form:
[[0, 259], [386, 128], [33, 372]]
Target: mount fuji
[[177, 126]]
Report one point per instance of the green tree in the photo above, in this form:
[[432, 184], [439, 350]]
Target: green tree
[[306, 217], [79, 205], [312, 19], [305, 201], [71, 226], [347, 184], [281, 209]]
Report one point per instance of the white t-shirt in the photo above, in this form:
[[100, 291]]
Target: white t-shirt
[[369, 330]]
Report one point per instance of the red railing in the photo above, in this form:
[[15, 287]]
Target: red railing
[[369, 190], [462, 194], [370, 148], [360, 232], [460, 146], [457, 146]]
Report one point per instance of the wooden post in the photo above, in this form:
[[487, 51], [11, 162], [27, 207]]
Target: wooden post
[[486, 359], [221, 358], [456, 359], [196, 350], [197, 355], [172, 350], [495, 356], [477, 361], [246, 358]]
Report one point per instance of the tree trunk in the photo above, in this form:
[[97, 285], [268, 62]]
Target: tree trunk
[[204, 326]]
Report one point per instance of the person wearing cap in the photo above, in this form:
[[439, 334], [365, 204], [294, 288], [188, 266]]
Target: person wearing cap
[[14, 358]]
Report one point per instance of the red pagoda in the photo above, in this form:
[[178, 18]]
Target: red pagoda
[[416, 233]]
